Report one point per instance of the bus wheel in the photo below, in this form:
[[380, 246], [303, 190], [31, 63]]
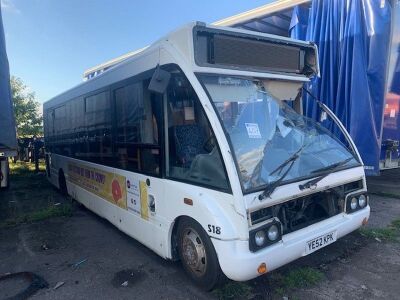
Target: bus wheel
[[198, 255], [62, 184]]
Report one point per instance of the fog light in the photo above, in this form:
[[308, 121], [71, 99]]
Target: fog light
[[362, 201], [262, 268], [353, 203], [259, 238], [273, 233]]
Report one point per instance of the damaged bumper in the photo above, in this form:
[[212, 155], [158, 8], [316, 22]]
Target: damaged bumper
[[239, 264]]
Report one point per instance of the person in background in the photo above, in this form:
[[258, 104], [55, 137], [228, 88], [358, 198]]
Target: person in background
[[36, 152]]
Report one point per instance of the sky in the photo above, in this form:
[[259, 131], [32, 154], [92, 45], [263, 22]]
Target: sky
[[50, 43]]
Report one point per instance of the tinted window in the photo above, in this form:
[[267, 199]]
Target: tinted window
[[97, 102], [138, 119], [96, 144]]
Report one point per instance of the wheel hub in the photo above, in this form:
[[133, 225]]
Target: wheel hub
[[194, 252]]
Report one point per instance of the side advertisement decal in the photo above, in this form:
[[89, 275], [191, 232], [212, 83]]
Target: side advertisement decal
[[137, 197], [105, 184], [144, 208]]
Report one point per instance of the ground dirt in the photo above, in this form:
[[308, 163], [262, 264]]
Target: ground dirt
[[95, 260]]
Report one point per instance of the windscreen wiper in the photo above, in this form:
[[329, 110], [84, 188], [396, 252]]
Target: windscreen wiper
[[291, 160], [331, 168]]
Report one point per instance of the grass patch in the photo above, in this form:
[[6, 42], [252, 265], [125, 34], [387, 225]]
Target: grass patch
[[389, 233], [396, 224], [385, 234], [301, 278], [54, 211], [25, 168], [233, 290], [62, 210]]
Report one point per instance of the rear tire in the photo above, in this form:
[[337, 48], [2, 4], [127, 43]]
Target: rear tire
[[62, 184], [198, 255]]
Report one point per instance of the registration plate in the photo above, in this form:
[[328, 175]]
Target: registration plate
[[320, 242]]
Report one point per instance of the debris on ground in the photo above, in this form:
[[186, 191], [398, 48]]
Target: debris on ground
[[125, 283], [127, 278], [79, 263], [58, 284]]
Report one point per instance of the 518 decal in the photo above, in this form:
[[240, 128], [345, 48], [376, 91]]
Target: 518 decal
[[214, 229]]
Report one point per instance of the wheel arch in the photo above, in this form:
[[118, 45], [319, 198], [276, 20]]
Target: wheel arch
[[173, 236]]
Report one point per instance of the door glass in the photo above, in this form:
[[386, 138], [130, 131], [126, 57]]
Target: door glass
[[138, 122], [193, 154]]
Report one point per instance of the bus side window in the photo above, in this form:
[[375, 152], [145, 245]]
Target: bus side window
[[193, 152], [97, 142], [60, 128], [137, 146]]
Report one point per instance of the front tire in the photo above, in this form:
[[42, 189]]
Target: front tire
[[198, 255]]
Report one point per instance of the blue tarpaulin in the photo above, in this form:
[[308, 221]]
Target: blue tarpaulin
[[8, 139], [391, 116], [353, 38]]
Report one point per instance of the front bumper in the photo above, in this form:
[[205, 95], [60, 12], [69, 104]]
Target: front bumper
[[239, 264]]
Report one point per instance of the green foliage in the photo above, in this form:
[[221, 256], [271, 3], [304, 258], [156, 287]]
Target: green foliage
[[233, 290], [389, 233], [396, 224], [31, 197], [301, 278], [63, 210], [26, 109], [25, 168]]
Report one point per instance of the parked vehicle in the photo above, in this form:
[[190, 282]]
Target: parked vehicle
[[197, 147], [8, 139]]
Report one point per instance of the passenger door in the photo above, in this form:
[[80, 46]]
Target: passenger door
[[138, 142]]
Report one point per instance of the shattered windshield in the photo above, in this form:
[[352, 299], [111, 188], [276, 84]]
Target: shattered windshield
[[264, 132]]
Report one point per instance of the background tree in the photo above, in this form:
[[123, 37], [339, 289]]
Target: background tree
[[26, 109]]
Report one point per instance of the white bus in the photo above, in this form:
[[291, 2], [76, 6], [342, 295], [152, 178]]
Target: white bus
[[197, 147]]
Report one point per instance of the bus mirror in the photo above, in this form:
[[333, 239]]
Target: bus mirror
[[159, 81]]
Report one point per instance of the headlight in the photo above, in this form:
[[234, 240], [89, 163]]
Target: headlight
[[362, 201], [265, 235], [356, 202], [353, 203], [273, 233], [259, 238]]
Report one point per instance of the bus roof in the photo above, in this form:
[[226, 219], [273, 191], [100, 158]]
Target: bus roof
[[271, 18], [122, 69]]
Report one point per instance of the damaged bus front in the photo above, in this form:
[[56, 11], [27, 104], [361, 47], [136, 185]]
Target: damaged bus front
[[302, 180]]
